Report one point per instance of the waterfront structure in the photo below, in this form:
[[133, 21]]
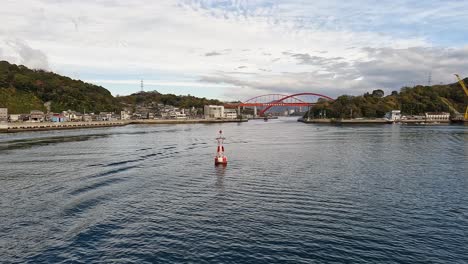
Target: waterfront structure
[[437, 116], [106, 116], [36, 116], [394, 115], [124, 115], [181, 115], [3, 114], [214, 111], [88, 117], [230, 113], [15, 117], [58, 118]]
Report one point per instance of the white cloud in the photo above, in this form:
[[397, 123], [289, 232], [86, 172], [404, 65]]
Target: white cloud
[[252, 46], [20, 52]]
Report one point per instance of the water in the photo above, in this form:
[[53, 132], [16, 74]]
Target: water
[[291, 193]]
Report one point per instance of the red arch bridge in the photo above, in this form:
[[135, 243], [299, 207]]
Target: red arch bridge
[[267, 101]]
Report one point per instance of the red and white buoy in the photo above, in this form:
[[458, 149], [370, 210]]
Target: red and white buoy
[[220, 157]]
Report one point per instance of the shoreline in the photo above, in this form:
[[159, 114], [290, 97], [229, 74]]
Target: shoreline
[[371, 121], [45, 126]]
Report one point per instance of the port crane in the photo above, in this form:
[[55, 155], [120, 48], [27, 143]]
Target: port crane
[[462, 83]]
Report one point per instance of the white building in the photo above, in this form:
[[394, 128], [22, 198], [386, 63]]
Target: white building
[[394, 115], [181, 115], [442, 116], [3, 114], [15, 117], [124, 115], [230, 113], [214, 111]]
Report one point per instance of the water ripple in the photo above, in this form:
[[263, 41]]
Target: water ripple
[[292, 193]]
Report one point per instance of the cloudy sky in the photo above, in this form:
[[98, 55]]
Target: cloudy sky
[[234, 49]]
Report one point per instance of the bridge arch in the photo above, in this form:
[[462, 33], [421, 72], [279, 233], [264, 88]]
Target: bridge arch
[[262, 112], [252, 100]]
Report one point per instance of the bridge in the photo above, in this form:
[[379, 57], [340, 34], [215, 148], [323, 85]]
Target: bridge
[[267, 101]]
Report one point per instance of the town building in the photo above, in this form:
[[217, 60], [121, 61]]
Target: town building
[[3, 114], [230, 113], [394, 115], [437, 116], [180, 115], [106, 116], [58, 118], [15, 117], [88, 117], [124, 115], [36, 116], [214, 111]]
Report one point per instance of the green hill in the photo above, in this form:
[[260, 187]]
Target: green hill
[[23, 89], [149, 99], [410, 100]]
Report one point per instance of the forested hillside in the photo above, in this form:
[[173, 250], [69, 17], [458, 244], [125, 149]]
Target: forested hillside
[[23, 89], [411, 101], [149, 98]]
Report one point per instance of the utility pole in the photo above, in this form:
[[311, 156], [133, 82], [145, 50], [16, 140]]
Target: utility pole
[[429, 79]]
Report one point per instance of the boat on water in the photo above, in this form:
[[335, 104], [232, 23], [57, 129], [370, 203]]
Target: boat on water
[[220, 157]]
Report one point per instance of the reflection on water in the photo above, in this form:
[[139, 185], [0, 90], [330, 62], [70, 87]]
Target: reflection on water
[[291, 193], [220, 170]]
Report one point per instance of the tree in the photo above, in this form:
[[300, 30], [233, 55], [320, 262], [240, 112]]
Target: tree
[[378, 93]]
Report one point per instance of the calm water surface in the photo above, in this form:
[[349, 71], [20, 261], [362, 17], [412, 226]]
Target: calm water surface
[[292, 193]]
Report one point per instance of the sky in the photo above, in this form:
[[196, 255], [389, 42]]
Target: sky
[[237, 49]]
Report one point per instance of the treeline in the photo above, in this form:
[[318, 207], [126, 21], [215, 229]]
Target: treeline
[[154, 97], [410, 100], [23, 89]]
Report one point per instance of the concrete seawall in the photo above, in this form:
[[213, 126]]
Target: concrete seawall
[[372, 121], [186, 121], [346, 121], [42, 126], [25, 126]]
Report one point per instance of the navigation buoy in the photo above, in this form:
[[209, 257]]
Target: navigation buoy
[[220, 157]]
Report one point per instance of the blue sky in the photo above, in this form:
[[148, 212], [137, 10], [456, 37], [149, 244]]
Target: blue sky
[[235, 49]]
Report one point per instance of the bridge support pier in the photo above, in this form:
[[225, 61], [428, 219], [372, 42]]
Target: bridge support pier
[[239, 111], [255, 111]]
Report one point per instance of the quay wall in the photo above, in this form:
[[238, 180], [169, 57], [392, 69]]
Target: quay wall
[[346, 121], [185, 121], [41, 126], [373, 121], [27, 126]]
